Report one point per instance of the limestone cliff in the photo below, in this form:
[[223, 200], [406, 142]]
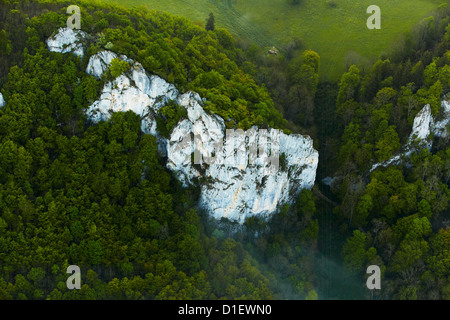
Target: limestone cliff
[[231, 186]]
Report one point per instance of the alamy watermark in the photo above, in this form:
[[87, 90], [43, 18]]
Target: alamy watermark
[[258, 147], [374, 281], [74, 281], [374, 21], [74, 21], [252, 147]]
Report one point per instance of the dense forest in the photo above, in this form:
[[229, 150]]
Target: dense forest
[[396, 217], [99, 196]]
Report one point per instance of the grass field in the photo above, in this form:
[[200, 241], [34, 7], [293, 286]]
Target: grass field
[[337, 33]]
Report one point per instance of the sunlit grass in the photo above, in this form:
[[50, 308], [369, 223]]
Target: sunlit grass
[[338, 34]]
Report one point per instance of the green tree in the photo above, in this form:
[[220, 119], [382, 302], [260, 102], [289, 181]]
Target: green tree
[[348, 86], [388, 144], [354, 252], [94, 251], [210, 23], [118, 66], [312, 295], [363, 209]]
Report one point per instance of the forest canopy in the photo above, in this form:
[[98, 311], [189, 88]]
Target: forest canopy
[[99, 196]]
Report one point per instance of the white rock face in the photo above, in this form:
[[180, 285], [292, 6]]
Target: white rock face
[[99, 62], [232, 187], [440, 127], [237, 188], [422, 127], [234, 191], [181, 145], [239, 193], [2, 100], [135, 91], [67, 40]]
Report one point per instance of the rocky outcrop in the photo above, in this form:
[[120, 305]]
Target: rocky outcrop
[[135, 91], [67, 40], [235, 191], [99, 62], [236, 188], [231, 186], [440, 127], [424, 128]]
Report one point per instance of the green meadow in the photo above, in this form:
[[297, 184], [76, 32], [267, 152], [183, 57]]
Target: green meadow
[[337, 32]]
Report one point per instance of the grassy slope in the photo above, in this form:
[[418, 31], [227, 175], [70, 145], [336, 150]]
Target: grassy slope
[[335, 33]]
